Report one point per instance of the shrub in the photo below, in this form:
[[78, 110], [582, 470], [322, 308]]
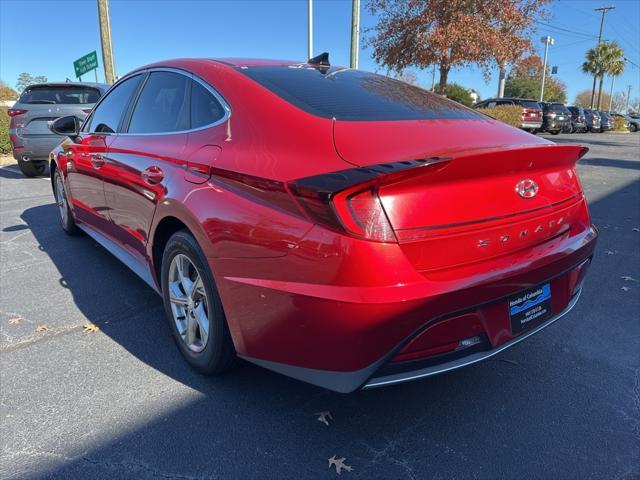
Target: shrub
[[509, 114], [5, 146], [620, 124]]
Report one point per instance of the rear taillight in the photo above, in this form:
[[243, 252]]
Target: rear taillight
[[86, 110], [14, 112], [348, 200]]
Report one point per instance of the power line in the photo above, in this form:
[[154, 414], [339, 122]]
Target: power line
[[574, 32]]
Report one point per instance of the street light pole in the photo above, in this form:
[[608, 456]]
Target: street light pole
[[310, 20], [355, 33], [628, 96], [547, 41], [604, 10]]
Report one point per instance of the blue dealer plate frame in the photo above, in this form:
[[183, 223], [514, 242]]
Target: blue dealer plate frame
[[530, 308]]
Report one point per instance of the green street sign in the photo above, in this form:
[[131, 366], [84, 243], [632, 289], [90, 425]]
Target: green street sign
[[86, 64]]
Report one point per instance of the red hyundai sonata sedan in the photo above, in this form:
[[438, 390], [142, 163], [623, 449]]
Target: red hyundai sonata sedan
[[337, 226]]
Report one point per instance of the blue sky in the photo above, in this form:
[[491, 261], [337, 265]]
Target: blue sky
[[44, 37]]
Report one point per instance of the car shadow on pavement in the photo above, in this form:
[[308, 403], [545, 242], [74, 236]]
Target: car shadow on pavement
[[610, 162], [498, 416]]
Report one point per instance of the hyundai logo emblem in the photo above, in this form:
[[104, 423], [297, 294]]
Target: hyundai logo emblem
[[527, 188]]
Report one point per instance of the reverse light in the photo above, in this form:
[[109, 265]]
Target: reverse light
[[14, 112]]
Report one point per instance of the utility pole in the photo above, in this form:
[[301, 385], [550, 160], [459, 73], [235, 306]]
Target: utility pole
[[433, 79], [547, 41], [613, 81], [628, 96], [310, 20], [355, 33], [105, 40], [604, 11], [502, 79]]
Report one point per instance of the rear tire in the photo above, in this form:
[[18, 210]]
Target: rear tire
[[633, 127], [62, 200], [593, 130], [32, 168], [555, 132], [193, 307]]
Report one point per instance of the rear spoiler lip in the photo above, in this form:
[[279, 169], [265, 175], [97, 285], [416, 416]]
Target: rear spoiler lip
[[513, 148]]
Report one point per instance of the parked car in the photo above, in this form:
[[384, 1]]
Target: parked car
[[31, 140], [325, 223], [606, 122], [593, 120], [633, 123], [555, 117], [578, 120], [531, 111]]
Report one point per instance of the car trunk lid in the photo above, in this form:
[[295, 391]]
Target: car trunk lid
[[468, 208]]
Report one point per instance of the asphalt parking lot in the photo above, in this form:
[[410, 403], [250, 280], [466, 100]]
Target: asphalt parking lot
[[121, 402]]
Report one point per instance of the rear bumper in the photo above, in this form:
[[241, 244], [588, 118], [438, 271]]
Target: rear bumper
[[344, 338], [382, 381], [34, 148]]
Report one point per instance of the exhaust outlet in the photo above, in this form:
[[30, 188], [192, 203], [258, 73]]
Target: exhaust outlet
[[25, 158]]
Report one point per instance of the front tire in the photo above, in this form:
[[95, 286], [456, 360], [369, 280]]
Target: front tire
[[62, 201], [32, 168], [633, 127], [193, 307], [555, 132]]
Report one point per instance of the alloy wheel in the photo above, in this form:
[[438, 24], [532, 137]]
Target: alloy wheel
[[61, 200], [189, 303]]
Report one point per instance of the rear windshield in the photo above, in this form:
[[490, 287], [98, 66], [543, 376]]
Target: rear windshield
[[60, 95], [556, 107], [530, 104], [354, 95]]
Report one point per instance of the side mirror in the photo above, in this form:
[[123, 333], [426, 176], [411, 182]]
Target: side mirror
[[68, 126]]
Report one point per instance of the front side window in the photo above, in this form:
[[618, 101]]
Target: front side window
[[205, 108], [106, 116], [163, 105]]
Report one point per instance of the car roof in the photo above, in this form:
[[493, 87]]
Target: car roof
[[511, 98]]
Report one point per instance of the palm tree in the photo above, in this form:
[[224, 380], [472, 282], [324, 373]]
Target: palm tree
[[606, 58]]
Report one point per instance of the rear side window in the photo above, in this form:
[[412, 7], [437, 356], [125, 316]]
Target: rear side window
[[354, 95], [60, 95], [163, 104], [106, 116], [205, 108]]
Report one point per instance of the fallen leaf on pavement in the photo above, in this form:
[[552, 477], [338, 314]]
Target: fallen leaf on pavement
[[636, 229], [339, 464], [609, 252], [15, 321], [90, 327], [626, 289], [324, 417], [627, 278], [42, 328]]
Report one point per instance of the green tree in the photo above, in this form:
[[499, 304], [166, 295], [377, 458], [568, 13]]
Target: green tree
[[25, 79], [605, 59], [529, 87], [459, 94], [7, 93], [525, 78]]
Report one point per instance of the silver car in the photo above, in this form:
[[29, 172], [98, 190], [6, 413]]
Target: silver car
[[31, 139]]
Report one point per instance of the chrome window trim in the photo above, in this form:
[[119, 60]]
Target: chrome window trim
[[225, 105]]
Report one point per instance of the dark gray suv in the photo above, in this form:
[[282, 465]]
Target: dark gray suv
[[31, 139]]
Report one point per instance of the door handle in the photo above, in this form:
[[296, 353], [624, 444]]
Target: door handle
[[152, 175], [97, 160]]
